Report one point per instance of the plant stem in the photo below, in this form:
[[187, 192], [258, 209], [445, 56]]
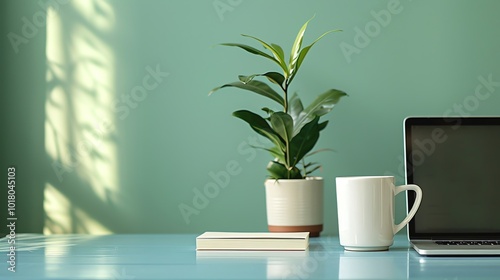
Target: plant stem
[[304, 166], [285, 109], [285, 105]]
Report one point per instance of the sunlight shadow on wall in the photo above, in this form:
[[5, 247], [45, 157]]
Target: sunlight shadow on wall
[[62, 217], [79, 123]]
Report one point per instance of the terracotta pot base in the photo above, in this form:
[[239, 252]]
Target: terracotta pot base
[[314, 230]]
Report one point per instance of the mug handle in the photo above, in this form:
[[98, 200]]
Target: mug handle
[[416, 204]]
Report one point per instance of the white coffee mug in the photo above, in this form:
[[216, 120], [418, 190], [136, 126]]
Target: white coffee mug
[[365, 207]]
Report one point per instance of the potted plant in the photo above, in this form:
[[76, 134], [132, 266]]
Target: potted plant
[[294, 199]]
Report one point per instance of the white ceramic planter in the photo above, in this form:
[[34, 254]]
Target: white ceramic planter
[[295, 205]]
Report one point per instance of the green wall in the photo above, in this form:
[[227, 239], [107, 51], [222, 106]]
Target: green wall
[[152, 154], [22, 80]]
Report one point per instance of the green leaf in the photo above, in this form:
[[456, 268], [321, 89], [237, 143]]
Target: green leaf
[[322, 125], [319, 151], [309, 171], [276, 53], [279, 171], [309, 164], [295, 106], [268, 111], [257, 87], [282, 124], [246, 79], [303, 54], [279, 51], [323, 104], [274, 77], [275, 151], [304, 141], [252, 50], [260, 125], [294, 54]]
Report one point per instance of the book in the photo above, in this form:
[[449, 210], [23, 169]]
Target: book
[[253, 241], [235, 256]]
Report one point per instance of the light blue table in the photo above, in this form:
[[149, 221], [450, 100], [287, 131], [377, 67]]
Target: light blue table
[[143, 257]]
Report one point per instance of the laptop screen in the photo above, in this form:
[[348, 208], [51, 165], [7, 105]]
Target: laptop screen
[[456, 162]]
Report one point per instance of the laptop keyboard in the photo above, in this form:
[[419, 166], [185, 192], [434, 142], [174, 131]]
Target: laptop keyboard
[[490, 242]]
